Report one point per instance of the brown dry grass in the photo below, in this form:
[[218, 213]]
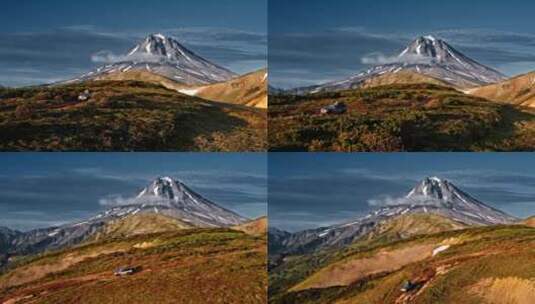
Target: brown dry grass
[[144, 76], [249, 89], [347, 272], [402, 77], [530, 222], [140, 224], [35, 272], [519, 90], [187, 266], [509, 290], [254, 227]]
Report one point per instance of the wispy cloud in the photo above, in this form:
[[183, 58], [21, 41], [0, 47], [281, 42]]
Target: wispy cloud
[[378, 58], [106, 56], [116, 200]]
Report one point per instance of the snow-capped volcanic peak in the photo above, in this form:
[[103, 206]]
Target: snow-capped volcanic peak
[[442, 197], [434, 188], [429, 46], [426, 55], [171, 197], [162, 46], [431, 50], [162, 187], [164, 56]]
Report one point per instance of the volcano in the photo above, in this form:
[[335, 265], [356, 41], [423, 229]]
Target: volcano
[[164, 197], [433, 196], [163, 56], [426, 55]]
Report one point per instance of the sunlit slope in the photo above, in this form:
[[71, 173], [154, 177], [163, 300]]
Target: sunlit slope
[[254, 227], [519, 90], [402, 77], [475, 265], [249, 89], [186, 266]]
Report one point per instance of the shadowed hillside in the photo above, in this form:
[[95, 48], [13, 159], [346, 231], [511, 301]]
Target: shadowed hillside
[[124, 116], [410, 117]]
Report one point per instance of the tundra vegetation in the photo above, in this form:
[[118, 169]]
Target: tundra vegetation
[[399, 117]]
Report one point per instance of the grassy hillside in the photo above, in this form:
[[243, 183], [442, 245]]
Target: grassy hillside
[[409, 225], [476, 265], [249, 89], [144, 76], [254, 227], [188, 266], [519, 90], [529, 221], [411, 117], [124, 116], [402, 77], [296, 268], [140, 224]]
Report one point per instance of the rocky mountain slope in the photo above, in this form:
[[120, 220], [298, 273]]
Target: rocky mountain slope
[[519, 90], [166, 57], [431, 196], [425, 55], [6, 237]]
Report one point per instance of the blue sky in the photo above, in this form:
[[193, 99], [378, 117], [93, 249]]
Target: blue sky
[[46, 41], [311, 41], [46, 189], [309, 190]]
